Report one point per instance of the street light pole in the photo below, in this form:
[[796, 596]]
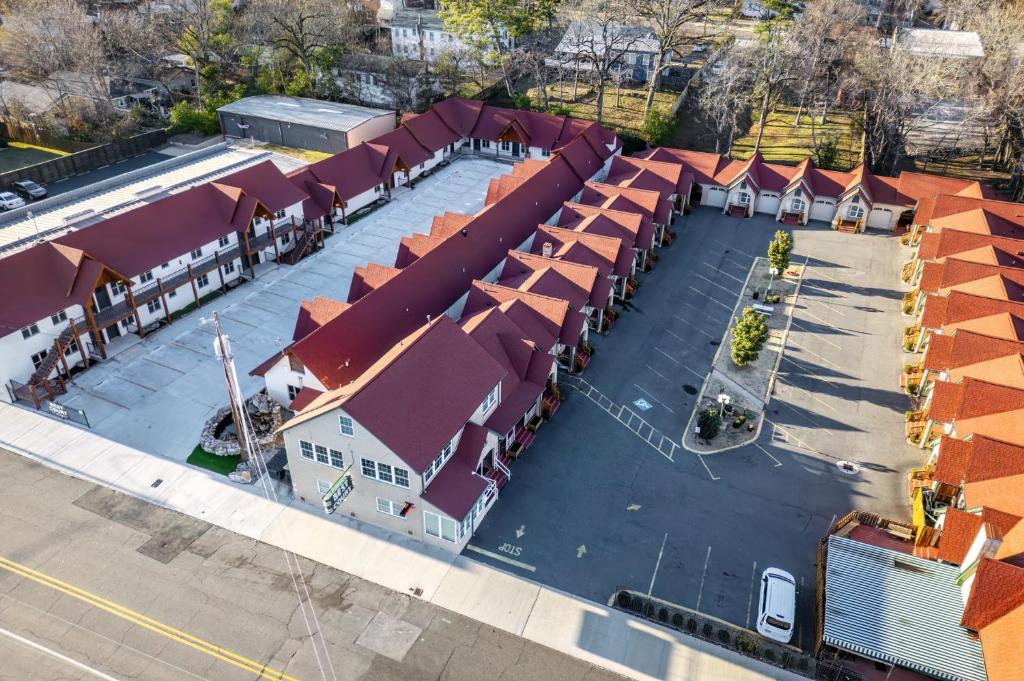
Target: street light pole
[[222, 348], [772, 271]]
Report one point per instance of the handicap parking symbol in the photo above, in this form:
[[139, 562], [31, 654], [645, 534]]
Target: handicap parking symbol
[[642, 404]]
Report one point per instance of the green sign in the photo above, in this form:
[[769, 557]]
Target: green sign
[[338, 492]]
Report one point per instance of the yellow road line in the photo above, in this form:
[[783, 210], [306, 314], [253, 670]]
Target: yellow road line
[[258, 668]]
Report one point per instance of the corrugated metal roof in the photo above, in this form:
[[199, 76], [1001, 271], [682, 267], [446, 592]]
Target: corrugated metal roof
[[897, 608], [87, 206], [303, 111]]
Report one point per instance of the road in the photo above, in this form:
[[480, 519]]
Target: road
[[97, 585], [106, 172]]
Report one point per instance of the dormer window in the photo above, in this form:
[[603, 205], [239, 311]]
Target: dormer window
[[490, 400], [798, 193], [743, 184], [855, 199]]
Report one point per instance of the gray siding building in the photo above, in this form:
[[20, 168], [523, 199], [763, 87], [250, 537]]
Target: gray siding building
[[304, 123]]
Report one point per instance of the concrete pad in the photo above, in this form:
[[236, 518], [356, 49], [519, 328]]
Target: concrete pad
[[145, 473], [389, 636], [394, 561], [97, 410], [148, 374], [200, 495], [487, 595], [176, 357], [639, 650]]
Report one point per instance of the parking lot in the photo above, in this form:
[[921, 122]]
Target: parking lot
[[599, 501], [155, 393]]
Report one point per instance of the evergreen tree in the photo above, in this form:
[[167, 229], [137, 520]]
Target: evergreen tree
[[748, 337], [779, 251]]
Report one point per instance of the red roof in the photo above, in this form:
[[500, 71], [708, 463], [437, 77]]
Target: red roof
[[982, 247], [605, 253], [315, 313], [322, 198], [356, 170], [431, 131], [973, 210], [412, 248], [997, 590], [648, 203], [958, 532], [443, 226], [267, 183], [368, 278], [544, 319], [972, 398], [579, 284], [627, 169], [459, 114], [964, 348], [71, 276], [940, 311], [954, 455], [303, 398], [456, 488], [409, 149], [634, 229]]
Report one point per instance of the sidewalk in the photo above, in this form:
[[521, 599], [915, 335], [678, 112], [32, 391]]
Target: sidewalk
[[589, 631]]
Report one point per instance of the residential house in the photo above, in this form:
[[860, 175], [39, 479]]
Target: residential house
[[607, 254], [650, 204], [974, 407], [636, 231], [633, 50], [419, 33], [385, 81]]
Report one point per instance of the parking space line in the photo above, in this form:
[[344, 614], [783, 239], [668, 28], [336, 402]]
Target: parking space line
[[820, 319], [816, 335], [799, 443], [818, 269], [655, 371], [750, 598], [503, 559], [713, 476], [670, 357], [832, 308], [807, 371], [651, 395], [715, 283], [733, 248], [812, 352], [777, 462], [700, 591], [719, 269], [711, 298], [690, 324]]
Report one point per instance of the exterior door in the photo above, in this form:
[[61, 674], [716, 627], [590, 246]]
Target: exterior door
[[102, 298]]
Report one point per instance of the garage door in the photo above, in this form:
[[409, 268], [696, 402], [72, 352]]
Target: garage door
[[823, 209], [713, 196], [880, 218], [767, 202]]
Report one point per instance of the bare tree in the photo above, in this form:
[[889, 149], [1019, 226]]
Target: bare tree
[[724, 96], [668, 20], [600, 34], [773, 59], [304, 29]]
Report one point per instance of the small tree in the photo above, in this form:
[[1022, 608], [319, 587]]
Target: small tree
[[709, 423], [779, 250], [748, 337], [658, 127]]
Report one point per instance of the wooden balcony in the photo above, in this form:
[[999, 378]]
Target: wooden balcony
[[848, 226]]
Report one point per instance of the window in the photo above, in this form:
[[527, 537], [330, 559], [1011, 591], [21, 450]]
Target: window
[[117, 287], [293, 391], [855, 212], [369, 468], [165, 265], [30, 330], [229, 268], [345, 426], [545, 152], [198, 253], [490, 400], [306, 449], [280, 214], [153, 305], [855, 199], [798, 204], [401, 477], [224, 241], [743, 198], [172, 293], [61, 316], [144, 277], [37, 359], [390, 507], [203, 280], [438, 526], [337, 461], [322, 486], [466, 527], [506, 145], [798, 193], [321, 454], [286, 238], [384, 472]]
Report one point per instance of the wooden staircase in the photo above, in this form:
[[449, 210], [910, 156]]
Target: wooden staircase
[[791, 219], [303, 245], [500, 473], [737, 211]]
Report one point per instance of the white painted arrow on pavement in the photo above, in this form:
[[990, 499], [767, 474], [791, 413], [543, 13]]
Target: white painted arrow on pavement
[[581, 550], [521, 531], [634, 507]]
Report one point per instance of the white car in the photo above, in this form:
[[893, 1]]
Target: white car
[[699, 48], [777, 608], [9, 200]]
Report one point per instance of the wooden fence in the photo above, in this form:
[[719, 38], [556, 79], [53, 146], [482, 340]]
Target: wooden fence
[[86, 160]]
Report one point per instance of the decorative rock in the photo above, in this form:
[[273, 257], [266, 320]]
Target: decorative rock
[[264, 415]]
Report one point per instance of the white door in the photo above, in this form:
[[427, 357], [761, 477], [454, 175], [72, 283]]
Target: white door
[[880, 218], [823, 209], [767, 202], [713, 196]]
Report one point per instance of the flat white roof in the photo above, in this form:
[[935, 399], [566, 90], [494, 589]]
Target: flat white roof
[[303, 111], [86, 206], [929, 42]]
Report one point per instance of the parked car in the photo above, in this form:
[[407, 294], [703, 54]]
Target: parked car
[[29, 190], [700, 47], [9, 201], [777, 608]]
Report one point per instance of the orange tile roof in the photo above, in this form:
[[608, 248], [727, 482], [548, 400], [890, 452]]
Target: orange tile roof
[[972, 399], [959, 529], [952, 272], [1007, 370], [445, 225], [368, 278], [1012, 548], [998, 590], [971, 209], [995, 250], [940, 312], [1002, 493], [412, 248], [315, 313], [954, 455], [1003, 646], [965, 348]]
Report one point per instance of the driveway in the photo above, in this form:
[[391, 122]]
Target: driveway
[[155, 393], [601, 498]]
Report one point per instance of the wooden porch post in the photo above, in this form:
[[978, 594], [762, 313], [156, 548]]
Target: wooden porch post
[[78, 342], [344, 218], [60, 356], [195, 291], [273, 238], [91, 321], [248, 254], [135, 310], [220, 273], [163, 299]]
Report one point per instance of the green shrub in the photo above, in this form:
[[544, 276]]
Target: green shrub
[[748, 337], [657, 128], [691, 624], [623, 599], [912, 388], [707, 629], [561, 110], [663, 615], [188, 118], [677, 619], [522, 102], [779, 250], [723, 636], [708, 422]]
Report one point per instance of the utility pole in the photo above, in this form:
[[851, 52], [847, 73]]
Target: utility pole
[[222, 348]]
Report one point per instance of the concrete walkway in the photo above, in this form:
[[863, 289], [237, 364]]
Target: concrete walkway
[[583, 629]]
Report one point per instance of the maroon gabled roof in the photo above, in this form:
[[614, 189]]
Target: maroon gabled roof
[[431, 131], [648, 203], [70, 278], [579, 284], [634, 229], [459, 114], [544, 319], [456, 488], [405, 144], [605, 253], [356, 170], [132, 243], [368, 278], [315, 313], [321, 198], [267, 183], [412, 248]]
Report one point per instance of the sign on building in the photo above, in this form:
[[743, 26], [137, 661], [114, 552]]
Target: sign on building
[[338, 492]]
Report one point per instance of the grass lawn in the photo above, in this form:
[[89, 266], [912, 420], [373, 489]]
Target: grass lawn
[[307, 155], [628, 116], [785, 143], [211, 462], [20, 155]]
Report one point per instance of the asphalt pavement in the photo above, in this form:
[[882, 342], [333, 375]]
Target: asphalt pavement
[[591, 504]]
